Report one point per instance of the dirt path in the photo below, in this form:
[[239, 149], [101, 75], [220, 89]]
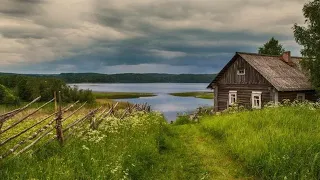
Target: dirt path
[[207, 155]]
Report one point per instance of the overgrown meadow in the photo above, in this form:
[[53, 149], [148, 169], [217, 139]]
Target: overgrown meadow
[[118, 150], [277, 142], [273, 143]]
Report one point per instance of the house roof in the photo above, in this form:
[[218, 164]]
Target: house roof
[[280, 74]]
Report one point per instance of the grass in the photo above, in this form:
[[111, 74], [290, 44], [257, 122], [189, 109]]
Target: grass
[[202, 95], [119, 149], [142, 146], [193, 154], [121, 95], [274, 143]]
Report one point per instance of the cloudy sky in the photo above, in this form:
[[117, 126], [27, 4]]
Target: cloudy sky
[[118, 36]]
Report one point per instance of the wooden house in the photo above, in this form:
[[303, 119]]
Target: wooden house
[[253, 80]]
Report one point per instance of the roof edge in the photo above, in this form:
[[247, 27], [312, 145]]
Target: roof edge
[[257, 54]]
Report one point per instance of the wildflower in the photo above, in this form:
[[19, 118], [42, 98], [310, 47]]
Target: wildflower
[[85, 147]]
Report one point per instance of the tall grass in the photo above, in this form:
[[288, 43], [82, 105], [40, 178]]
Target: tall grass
[[274, 143], [120, 149]]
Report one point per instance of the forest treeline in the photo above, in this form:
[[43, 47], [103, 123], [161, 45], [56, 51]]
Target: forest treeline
[[16, 88], [132, 78]]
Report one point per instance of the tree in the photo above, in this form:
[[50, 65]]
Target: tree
[[309, 37], [272, 47]]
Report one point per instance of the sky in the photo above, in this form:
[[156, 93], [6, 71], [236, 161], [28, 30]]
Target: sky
[[139, 36]]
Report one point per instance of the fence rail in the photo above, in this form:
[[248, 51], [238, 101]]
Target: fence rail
[[56, 122]]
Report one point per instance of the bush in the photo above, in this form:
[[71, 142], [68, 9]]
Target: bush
[[28, 88], [182, 119], [7, 97]]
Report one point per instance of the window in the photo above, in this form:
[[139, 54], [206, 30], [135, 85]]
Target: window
[[256, 99], [241, 72], [232, 97], [300, 96]]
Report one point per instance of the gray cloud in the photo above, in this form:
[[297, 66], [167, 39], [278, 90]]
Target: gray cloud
[[96, 35]]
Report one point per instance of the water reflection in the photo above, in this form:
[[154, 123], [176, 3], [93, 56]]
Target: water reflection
[[163, 102], [171, 105]]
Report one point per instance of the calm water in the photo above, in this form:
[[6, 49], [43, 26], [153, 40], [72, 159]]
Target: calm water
[[163, 102]]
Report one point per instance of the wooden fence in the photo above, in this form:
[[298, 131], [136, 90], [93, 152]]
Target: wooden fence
[[55, 124]]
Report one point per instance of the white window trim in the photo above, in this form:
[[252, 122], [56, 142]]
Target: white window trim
[[232, 93], [303, 95], [241, 74], [256, 93]]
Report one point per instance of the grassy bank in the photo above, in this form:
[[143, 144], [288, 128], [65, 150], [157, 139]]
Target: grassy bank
[[202, 95], [274, 143], [121, 95], [142, 146], [118, 150]]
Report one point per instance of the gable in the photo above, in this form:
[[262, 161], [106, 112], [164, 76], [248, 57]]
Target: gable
[[265, 69], [228, 75], [251, 75]]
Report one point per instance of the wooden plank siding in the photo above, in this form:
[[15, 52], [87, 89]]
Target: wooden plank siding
[[309, 95], [243, 84], [243, 95], [251, 76]]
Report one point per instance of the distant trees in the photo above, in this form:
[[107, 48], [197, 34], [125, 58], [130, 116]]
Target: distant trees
[[309, 37], [135, 78], [27, 88], [7, 97], [272, 47]]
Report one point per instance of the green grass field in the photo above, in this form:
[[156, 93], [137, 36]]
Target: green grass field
[[273, 143], [202, 95], [121, 95]]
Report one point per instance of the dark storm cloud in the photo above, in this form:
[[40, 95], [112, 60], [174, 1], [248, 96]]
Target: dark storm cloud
[[96, 35]]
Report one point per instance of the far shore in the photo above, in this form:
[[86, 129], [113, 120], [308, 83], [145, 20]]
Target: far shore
[[196, 94], [121, 95]]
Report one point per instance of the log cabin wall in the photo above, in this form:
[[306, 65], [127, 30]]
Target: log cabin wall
[[243, 84], [292, 95]]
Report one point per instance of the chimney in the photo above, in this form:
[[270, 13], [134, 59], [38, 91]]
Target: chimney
[[286, 57]]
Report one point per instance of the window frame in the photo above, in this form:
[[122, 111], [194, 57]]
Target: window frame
[[235, 93], [253, 95], [303, 95], [241, 74]]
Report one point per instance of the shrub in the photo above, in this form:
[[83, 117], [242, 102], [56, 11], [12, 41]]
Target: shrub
[[7, 97], [182, 119]]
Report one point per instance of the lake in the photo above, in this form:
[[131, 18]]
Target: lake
[[167, 104]]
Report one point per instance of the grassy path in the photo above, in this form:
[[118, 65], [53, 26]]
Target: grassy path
[[202, 156]]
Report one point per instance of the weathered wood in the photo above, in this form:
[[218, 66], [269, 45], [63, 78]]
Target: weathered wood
[[75, 111], [99, 121], [22, 108], [251, 76], [35, 141], [82, 119], [39, 122], [125, 112], [24, 118], [58, 126], [67, 109], [27, 129], [309, 95], [11, 114], [34, 135]]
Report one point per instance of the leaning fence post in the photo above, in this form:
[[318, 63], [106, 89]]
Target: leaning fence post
[[93, 121], [130, 111], [59, 122]]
